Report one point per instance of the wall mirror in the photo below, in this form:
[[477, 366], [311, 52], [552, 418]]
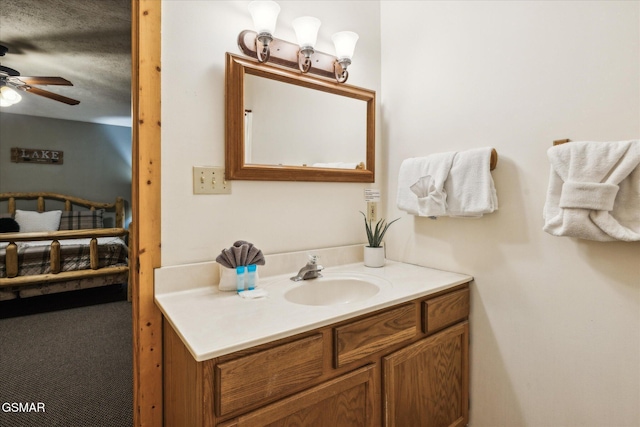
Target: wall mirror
[[285, 126]]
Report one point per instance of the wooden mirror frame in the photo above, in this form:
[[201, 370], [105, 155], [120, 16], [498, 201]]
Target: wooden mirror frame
[[236, 69]]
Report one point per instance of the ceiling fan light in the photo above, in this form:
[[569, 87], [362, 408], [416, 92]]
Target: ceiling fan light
[[9, 96]]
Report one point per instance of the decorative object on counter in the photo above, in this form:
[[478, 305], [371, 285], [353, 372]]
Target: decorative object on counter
[[251, 276], [456, 184], [594, 190], [374, 252], [240, 278], [241, 253], [242, 256]]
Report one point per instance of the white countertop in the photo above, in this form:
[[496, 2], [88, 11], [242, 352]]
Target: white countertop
[[212, 323]]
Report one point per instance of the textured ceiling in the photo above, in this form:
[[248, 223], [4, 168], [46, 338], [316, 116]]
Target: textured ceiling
[[85, 41]]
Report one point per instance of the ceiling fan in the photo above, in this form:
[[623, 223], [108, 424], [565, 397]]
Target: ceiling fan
[[10, 80]]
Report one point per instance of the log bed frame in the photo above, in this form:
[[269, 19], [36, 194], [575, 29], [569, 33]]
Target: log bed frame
[[56, 275]]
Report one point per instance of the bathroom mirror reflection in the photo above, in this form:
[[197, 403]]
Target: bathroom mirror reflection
[[282, 125]]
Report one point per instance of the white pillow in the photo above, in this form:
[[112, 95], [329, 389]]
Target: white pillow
[[31, 221]]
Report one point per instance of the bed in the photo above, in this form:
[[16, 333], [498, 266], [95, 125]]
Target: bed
[[62, 249]]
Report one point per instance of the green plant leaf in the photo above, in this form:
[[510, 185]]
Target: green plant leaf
[[375, 235]]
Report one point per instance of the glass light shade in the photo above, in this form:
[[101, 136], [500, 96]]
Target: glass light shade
[[8, 96], [306, 28], [264, 14], [345, 44]]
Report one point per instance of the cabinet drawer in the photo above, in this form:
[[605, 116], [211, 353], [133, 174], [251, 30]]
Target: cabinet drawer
[[346, 401], [253, 380], [364, 337], [445, 310]]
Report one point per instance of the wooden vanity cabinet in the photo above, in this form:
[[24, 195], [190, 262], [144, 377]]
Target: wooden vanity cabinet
[[403, 366], [426, 383]]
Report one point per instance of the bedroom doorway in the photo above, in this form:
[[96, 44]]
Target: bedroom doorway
[[44, 138]]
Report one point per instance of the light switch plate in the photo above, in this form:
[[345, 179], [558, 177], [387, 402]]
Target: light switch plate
[[372, 211], [210, 180]]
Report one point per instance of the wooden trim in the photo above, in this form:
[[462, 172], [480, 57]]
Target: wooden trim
[[145, 194]]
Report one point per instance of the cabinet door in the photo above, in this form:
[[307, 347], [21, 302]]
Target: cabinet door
[[426, 384], [346, 401]]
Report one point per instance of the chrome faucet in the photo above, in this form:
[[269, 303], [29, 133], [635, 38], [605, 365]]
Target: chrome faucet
[[309, 271]]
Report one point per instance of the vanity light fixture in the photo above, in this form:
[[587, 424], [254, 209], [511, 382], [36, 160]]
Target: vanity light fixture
[[345, 44], [265, 15], [8, 96], [306, 28], [262, 45]]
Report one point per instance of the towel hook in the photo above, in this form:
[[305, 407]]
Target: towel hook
[[560, 141], [493, 161]]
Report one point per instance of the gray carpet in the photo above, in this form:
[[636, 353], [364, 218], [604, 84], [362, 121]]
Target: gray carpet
[[76, 363]]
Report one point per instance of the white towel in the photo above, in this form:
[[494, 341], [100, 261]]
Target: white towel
[[336, 165], [594, 191], [469, 187], [421, 184]]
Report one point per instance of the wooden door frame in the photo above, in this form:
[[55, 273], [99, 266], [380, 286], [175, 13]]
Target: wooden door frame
[[145, 196]]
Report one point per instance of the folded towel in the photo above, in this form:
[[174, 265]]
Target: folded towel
[[469, 187], [336, 165], [420, 184], [241, 253], [594, 191]]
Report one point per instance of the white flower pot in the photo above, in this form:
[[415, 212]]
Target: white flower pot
[[374, 257]]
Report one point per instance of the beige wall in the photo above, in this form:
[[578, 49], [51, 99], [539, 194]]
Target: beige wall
[[555, 321], [275, 216]]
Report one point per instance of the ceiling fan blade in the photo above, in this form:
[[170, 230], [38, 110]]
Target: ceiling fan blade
[[45, 81], [50, 95]]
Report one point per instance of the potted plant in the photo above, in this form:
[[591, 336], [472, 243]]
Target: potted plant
[[374, 252]]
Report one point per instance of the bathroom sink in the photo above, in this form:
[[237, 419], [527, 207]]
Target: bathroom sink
[[335, 290]]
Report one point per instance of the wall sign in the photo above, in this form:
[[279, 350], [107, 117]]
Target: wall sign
[[33, 155]]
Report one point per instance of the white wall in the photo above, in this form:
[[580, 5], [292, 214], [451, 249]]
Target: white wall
[[97, 158], [555, 322], [275, 216]]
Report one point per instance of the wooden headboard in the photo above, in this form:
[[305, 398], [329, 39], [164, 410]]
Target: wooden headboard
[[69, 202]]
